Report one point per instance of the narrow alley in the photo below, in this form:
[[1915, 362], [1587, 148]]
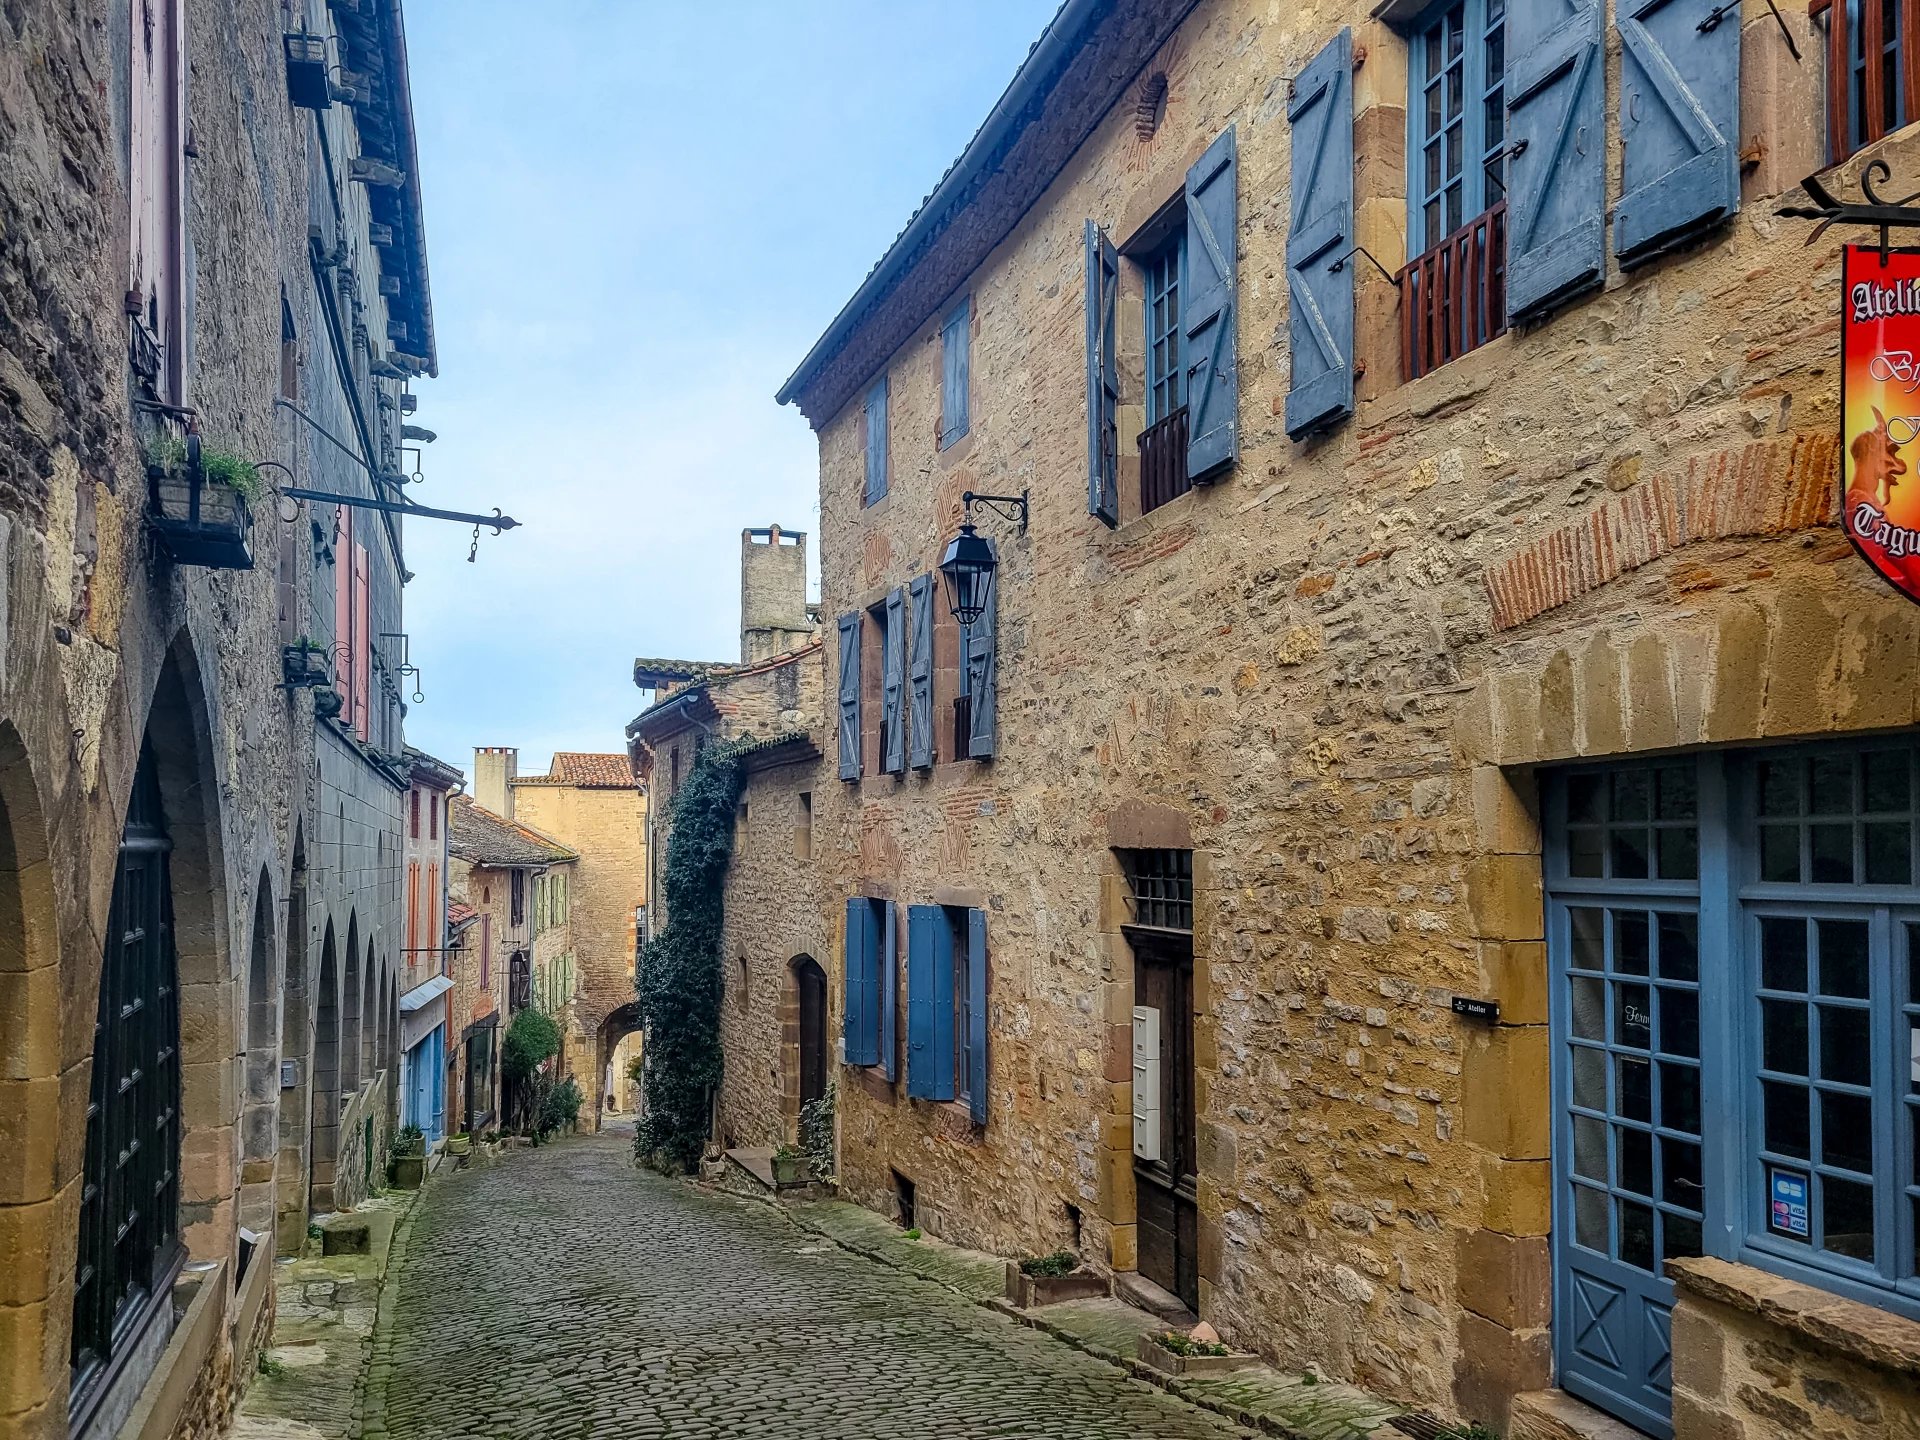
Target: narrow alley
[[564, 1293]]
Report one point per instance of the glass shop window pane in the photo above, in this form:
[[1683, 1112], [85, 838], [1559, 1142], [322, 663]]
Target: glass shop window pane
[[1679, 947], [1783, 953], [1780, 853]]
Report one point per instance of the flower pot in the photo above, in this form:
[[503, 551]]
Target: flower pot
[[409, 1171], [789, 1170], [1169, 1362], [305, 666], [199, 523], [1027, 1291]]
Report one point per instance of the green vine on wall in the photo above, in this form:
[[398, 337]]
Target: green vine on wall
[[681, 979]]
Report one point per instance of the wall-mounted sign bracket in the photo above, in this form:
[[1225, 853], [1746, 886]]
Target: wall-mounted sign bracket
[[496, 520], [1877, 213]]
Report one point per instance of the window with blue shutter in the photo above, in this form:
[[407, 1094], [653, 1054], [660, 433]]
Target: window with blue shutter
[[893, 684], [876, 416], [1679, 122], [1557, 153], [930, 1017], [956, 365], [1210, 310], [974, 1036], [860, 1015], [888, 960], [1103, 377], [920, 598], [980, 680], [1319, 242], [849, 626]]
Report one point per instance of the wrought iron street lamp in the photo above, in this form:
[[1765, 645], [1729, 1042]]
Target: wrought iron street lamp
[[970, 562]]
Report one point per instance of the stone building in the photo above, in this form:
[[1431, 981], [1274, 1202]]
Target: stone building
[[592, 804], [473, 1028], [1424, 698], [426, 977], [198, 862], [774, 1018], [502, 869]]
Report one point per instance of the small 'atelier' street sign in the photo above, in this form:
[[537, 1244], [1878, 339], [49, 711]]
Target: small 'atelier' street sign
[[1474, 1008], [1880, 410]]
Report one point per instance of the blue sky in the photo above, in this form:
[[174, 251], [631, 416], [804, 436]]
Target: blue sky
[[639, 216]]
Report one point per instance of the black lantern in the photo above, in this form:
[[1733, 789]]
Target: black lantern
[[970, 561], [969, 565]]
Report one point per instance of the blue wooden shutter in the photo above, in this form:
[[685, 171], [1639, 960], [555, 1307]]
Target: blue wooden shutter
[[956, 365], [889, 962], [877, 440], [1557, 138], [977, 1015], [1209, 313], [923, 921], [945, 1082], [1319, 279], [893, 685], [1103, 378], [1679, 122], [920, 673], [979, 645], [857, 1017], [850, 696]]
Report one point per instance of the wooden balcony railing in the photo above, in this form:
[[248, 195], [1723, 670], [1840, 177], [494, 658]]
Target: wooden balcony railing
[[1163, 460], [1454, 298]]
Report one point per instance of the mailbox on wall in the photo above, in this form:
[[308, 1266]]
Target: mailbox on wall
[[1146, 1082]]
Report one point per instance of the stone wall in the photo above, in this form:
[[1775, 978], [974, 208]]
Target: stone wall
[[1319, 665]]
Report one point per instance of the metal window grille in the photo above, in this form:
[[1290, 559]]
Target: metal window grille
[[1162, 886], [129, 1202]]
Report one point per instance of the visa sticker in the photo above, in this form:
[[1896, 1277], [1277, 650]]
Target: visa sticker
[[1787, 1214]]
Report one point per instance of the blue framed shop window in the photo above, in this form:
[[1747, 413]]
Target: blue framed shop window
[[1456, 118], [1730, 936]]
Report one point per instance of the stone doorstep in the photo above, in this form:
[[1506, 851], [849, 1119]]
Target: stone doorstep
[[1143, 1294], [1556, 1415]]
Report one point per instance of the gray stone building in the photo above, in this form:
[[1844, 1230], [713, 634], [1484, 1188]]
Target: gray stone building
[[212, 289]]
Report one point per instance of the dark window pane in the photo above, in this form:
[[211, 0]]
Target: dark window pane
[[1586, 798], [1847, 1218], [1680, 1174], [1913, 963], [1682, 1237], [1887, 782], [1590, 1148], [1631, 952], [1846, 1131], [1584, 849], [1630, 854], [1779, 787], [1783, 1036], [1590, 1218], [1680, 1097], [1589, 942], [1679, 848], [1633, 1097], [1831, 790], [1589, 1008], [1632, 795], [1832, 854], [1636, 1235], [1783, 953], [1843, 958], [1780, 853], [1786, 1119], [1846, 1045], [1632, 1015], [1679, 947], [1589, 1077], [1678, 788], [1636, 1160], [1890, 852], [1680, 1022]]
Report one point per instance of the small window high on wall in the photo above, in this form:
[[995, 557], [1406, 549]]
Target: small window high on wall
[[1871, 79]]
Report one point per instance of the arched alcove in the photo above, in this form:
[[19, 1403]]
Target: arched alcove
[[296, 1046], [259, 1108], [324, 1141], [350, 998]]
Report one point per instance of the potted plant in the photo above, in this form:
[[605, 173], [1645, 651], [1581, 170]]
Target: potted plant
[[306, 664], [1049, 1279], [408, 1159], [1197, 1354], [200, 503], [789, 1166]]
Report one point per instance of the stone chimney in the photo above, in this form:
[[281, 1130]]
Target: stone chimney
[[493, 767], [773, 593]]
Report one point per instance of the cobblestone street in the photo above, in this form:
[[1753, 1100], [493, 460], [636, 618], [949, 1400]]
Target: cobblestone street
[[562, 1293]]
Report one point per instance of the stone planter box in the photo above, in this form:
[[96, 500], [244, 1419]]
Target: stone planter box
[[1026, 1291], [790, 1170], [1152, 1352], [409, 1171]]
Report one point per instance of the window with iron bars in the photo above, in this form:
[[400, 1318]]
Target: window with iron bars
[[1162, 885]]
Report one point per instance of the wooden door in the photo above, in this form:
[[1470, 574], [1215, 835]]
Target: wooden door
[[1167, 1204], [812, 981]]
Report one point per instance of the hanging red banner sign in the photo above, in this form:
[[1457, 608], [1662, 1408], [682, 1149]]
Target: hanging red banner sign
[[1880, 410]]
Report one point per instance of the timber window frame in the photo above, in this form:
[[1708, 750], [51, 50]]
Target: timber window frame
[[1867, 102]]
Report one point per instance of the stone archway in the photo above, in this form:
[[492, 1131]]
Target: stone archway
[[296, 1045], [623, 1022], [806, 1067], [350, 995], [259, 1106], [370, 1017], [324, 1141]]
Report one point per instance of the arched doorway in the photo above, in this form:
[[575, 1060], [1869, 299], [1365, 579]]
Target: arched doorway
[[129, 1238], [369, 1017], [810, 985], [325, 1141], [617, 1047], [259, 1113]]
